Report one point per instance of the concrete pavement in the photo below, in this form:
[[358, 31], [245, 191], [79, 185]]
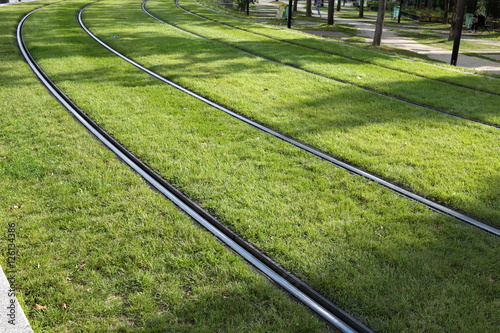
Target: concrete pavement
[[12, 318], [366, 28], [11, 2], [391, 38]]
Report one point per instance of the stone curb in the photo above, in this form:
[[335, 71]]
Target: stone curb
[[12, 317]]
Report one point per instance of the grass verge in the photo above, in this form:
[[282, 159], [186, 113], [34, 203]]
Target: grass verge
[[431, 71], [96, 246], [393, 263], [408, 86], [338, 118], [439, 41]]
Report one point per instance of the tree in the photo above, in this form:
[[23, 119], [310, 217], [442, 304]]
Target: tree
[[493, 8], [377, 38], [331, 5], [457, 34], [308, 8], [361, 8], [400, 10], [453, 22], [471, 6], [446, 10]]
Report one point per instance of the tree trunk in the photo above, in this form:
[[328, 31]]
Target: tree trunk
[[361, 8], [400, 10], [331, 5], [377, 38], [338, 5], [453, 22], [295, 5], [446, 8], [459, 14], [308, 8]]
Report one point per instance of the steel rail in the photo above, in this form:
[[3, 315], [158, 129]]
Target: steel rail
[[404, 100], [344, 56], [321, 306], [315, 151]]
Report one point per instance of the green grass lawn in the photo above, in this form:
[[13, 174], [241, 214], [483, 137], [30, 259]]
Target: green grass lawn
[[329, 52], [97, 247], [346, 29], [423, 69], [440, 41], [301, 203], [336, 116], [141, 265]]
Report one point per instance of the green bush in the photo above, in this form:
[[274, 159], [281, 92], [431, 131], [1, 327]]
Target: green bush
[[425, 12], [389, 6]]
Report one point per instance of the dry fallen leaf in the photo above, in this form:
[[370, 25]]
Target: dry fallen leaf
[[82, 264], [64, 306], [40, 307]]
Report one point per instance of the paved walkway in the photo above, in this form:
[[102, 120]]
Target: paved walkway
[[391, 38], [12, 318], [11, 2], [366, 28]]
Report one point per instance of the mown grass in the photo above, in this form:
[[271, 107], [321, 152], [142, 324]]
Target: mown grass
[[346, 29], [395, 264], [424, 69], [408, 86], [338, 118], [423, 26], [483, 56], [441, 41], [96, 246]]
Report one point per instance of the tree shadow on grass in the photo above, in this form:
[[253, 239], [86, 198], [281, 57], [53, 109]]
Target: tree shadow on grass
[[320, 107], [438, 243], [457, 100]]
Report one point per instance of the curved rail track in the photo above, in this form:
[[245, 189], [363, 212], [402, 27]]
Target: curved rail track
[[332, 314], [352, 58], [312, 150], [315, 73]]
